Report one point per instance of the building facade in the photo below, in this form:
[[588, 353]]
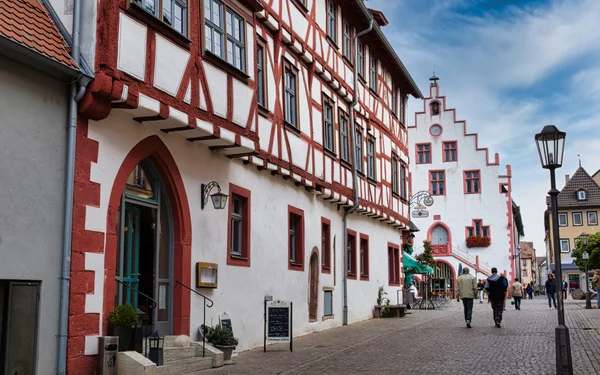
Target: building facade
[[471, 222], [528, 263], [258, 97], [578, 208]]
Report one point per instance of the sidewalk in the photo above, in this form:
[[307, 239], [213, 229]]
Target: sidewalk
[[436, 341]]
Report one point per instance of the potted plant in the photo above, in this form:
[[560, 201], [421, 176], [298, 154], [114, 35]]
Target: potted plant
[[381, 301], [222, 338], [121, 322]]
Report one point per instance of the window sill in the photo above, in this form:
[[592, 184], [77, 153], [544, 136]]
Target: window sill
[[296, 266], [374, 91], [263, 111], [348, 61], [326, 270], [329, 153], [477, 193], [395, 195], [301, 7], [351, 276], [327, 317], [362, 79], [394, 283], [223, 64], [332, 42], [360, 173], [345, 163], [372, 180], [158, 25], [238, 257], [292, 128], [364, 277]]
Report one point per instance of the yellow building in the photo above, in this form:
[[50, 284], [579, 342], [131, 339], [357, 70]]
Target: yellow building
[[578, 208], [528, 264]]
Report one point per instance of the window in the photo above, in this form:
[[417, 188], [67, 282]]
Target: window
[[393, 264], [592, 217], [328, 124], [328, 302], [478, 229], [296, 238], [325, 245], [347, 41], [351, 255], [581, 195], [472, 182], [525, 273], [371, 158], [220, 21], [364, 257], [524, 262], [360, 64], [577, 219], [373, 74], [290, 104], [395, 188], [450, 151], [403, 182], [563, 220], [565, 246], [344, 153], [331, 19], [402, 108], [423, 153], [171, 12], [260, 75], [395, 101], [437, 182], [238, 242], [359, 153]]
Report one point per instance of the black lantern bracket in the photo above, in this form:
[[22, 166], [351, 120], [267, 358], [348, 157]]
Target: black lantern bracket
[[219, 198]]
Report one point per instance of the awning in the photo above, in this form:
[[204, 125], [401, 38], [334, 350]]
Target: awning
[[413, 227], [411, 265]]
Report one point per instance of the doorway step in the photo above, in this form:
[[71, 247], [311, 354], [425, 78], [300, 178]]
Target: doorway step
[[181, 357]]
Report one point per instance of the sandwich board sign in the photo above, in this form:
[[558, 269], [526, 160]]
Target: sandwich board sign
[[278, 322]]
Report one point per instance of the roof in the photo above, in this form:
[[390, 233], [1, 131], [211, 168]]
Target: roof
[[527, 250], [379, 17], [27, 30], [540, 260], [518, 219], [580, 180]]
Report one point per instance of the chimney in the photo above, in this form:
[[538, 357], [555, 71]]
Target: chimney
[[567, 178]]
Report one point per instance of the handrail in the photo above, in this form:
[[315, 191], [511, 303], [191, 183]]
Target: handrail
[[204, 318], [200, 294], [153, 304]]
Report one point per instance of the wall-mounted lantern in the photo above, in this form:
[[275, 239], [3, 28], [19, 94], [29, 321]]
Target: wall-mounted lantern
[[219, 199]]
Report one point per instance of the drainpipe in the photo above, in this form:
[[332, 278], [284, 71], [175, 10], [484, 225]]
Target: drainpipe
[[65, 278], [350, 210]]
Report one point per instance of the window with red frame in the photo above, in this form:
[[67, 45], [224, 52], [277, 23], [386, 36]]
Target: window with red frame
[[296, 236], [450, 151], [326, 245], [394, 264], [351, 253], [364, 256], [424, 153], [472, 182], [238, 243], [478, 229], [437, 182]]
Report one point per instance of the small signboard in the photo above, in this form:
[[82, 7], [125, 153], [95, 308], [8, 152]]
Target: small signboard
[[278, 322], [420, 214]]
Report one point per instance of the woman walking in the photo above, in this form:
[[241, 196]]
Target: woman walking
[[529, 291], [517, 293]]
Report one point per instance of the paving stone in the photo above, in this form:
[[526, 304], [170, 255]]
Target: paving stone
[[437, 342]]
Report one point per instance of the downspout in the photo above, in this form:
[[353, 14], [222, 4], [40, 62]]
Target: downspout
[[350, 210], [75, 94]]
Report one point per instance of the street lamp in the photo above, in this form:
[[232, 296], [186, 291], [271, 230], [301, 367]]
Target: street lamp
[[583, 238], [550, 145]]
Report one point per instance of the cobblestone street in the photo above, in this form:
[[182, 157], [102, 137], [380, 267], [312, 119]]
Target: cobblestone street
[[437, 342]]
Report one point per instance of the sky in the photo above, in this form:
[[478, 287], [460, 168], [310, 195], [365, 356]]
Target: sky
[[509, 67]]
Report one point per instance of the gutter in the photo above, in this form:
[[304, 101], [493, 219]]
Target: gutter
[[77, 89], [350, 210]]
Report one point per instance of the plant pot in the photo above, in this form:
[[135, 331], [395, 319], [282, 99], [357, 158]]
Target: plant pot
[[125, 335], [227, 351]]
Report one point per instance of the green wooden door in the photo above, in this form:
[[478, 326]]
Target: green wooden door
[[131, 254]]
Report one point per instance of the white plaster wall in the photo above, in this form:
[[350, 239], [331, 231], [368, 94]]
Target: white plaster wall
[[241, 290], [457, 209]]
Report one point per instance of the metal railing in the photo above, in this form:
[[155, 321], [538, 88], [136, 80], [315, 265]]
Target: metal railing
[[205, 305]]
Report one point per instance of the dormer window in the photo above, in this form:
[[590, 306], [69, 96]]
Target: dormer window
[[581, 195]]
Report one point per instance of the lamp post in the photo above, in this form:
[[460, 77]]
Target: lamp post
[[583, 238], [550, 145]]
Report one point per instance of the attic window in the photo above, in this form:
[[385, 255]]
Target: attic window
[[581, 195]]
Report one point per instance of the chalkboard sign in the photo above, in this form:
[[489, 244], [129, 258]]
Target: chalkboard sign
[[278, 319]]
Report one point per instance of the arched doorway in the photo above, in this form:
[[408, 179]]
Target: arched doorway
[[145, 256], [439, 235], [442, 280], [313, 298]]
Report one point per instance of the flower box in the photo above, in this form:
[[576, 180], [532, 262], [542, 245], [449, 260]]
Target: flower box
[[478, 241]]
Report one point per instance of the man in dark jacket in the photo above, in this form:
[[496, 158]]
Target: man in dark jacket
[[480, 286], [496, 286], [551, 291]]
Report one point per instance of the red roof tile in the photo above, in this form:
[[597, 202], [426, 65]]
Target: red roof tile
[[28, 23]]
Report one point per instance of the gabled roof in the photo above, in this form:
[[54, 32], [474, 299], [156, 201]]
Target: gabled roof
[[527, 250], [580, 180], [28, 34]]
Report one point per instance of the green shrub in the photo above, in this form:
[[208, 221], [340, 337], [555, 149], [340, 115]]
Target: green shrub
[[220, 335], [123, 316]]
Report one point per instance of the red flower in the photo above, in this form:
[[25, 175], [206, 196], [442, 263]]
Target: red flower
[[478, 241]]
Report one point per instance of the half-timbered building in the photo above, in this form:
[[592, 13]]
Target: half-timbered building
[[295, 108]]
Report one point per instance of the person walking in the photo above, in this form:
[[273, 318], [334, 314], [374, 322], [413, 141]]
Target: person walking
[[517, 293], [480, 286], [565, 287], [596, 285], [466, 289], [529, 290], [551, 291], [496, 286]]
